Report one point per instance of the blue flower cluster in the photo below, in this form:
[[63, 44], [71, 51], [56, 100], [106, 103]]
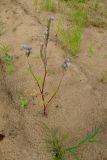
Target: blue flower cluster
[[67, 63], [27, 48]]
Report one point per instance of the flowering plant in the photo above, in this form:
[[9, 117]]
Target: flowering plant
[[43, 55]]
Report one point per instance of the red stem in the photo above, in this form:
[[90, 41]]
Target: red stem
[[44, 80], [44, 106], [41, 90]]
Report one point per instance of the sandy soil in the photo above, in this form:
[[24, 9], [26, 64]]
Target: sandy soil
[[82, 99]]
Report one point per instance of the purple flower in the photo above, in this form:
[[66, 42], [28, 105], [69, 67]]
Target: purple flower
[[67, 63], [27, 48]]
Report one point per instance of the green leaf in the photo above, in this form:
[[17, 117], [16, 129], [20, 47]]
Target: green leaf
[[8, 58], [24, 101], [90, 138]]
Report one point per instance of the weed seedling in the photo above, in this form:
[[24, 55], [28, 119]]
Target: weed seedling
[[24, 101], [70, 38], [56, 144], [8, 59]]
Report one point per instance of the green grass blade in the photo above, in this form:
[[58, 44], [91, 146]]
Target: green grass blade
[[89, 138]]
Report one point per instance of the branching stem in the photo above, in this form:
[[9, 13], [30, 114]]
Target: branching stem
[[43, 53]]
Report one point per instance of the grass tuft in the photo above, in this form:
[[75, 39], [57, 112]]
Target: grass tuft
[[59, 150], [48, 5], [70, 38]]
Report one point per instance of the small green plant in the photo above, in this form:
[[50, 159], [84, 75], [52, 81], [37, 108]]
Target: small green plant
[[8, 59], [24, 101], [70, 38], [56, 145]]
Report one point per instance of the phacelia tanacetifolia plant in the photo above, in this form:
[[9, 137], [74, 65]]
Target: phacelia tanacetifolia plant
[[43, 55]]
